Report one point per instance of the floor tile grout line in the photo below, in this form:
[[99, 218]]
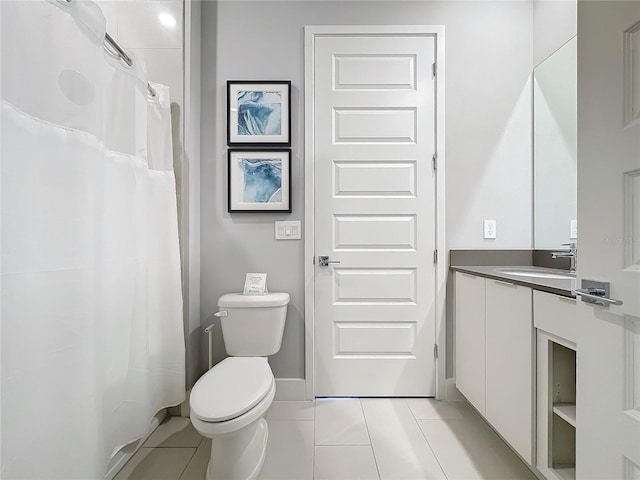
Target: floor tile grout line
[[415, 419], [315, 424], [315, 441], [290, 420], [460, 417], [406, 402], [366, 424], [417, 422], [343, 445], [187, 464], [431, 448], [161, 446], [313, 457]]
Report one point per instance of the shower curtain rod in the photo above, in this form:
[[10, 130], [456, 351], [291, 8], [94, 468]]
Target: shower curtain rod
[[123, 55]]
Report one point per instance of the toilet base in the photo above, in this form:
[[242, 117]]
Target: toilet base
[[240, 455]]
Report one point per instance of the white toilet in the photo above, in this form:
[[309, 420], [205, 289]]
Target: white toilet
[[229, 401]]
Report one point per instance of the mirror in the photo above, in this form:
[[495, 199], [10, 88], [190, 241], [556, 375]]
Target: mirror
[[555, 148]]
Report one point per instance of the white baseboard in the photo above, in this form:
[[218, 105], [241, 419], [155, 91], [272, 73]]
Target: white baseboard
[[125, 453], [452, 393], [290, 389]]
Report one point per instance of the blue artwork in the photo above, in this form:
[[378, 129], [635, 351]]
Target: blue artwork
[[259, 113], [262, 180]]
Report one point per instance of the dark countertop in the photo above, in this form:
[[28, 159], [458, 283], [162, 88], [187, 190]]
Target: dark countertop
[[556, 286]]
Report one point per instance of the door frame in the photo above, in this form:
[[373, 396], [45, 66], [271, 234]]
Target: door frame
[[310, 35]]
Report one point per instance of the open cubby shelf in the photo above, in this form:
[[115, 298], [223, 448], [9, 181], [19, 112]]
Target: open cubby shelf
[[566, 473], [563, 420], [567, 412]]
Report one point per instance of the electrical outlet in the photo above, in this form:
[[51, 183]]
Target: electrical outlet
[[489, 229], [573, 230]]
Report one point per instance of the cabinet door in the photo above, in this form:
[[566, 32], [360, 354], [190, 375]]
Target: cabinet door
[[469, 338], [509, 360]]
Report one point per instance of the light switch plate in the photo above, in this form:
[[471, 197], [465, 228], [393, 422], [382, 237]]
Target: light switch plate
[[289, 230], [489, 229], [573, 230]]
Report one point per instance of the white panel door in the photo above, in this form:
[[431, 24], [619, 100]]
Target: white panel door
[[608, 338], [375, 215]]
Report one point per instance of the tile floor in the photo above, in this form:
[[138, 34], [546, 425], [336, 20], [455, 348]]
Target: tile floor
[[347, 439]]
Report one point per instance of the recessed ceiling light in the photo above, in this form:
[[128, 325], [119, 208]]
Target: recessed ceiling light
[[167, 20]]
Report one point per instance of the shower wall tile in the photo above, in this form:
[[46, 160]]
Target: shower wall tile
[[163, 66], [144, 24], [110, 10], [137, 29], [140, 28]]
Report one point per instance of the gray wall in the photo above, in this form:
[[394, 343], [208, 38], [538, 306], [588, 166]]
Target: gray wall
[[555, 22], [488, 114]]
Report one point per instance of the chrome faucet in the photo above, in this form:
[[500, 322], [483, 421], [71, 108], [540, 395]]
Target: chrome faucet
[[572, 253]]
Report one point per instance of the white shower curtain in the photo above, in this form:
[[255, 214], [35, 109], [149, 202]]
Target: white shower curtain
[[91, 332]]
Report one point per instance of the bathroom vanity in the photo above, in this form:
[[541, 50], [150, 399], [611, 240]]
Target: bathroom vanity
[[515, 327], [515, 349]]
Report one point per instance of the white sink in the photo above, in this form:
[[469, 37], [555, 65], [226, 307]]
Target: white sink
[[533, 273]]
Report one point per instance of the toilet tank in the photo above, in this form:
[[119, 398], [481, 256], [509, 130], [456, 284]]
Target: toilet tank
[[253, 324]]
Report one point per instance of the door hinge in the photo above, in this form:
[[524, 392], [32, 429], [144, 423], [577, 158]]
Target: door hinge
[[314, 260], [435, 350], [435, 161], [435, 69], [435, 256]]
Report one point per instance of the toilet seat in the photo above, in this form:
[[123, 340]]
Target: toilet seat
[[231, 388], [231, 427]]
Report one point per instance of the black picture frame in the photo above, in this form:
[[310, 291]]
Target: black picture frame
[[264, 174], [259, 113]]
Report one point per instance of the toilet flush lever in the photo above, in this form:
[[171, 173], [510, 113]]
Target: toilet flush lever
[[221, 313], [324, 261]]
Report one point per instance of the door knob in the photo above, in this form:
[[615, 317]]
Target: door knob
[[323, 261], [596, 296], [596, 293]]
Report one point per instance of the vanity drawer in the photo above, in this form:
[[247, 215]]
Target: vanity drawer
[[555, 314]]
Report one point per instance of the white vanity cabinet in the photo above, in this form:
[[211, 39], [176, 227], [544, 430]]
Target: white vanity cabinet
[[509, 364], [555, 320], [469, 337], [494, 355], [515, 362]]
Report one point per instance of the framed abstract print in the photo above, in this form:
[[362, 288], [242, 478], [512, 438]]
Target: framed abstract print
[[259, 181], [258, 113]]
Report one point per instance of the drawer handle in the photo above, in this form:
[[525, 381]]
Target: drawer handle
[[467, 275], [502, 282], [571, 301]]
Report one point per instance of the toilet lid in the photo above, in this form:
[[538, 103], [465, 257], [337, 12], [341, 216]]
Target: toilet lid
[[232, 387]]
